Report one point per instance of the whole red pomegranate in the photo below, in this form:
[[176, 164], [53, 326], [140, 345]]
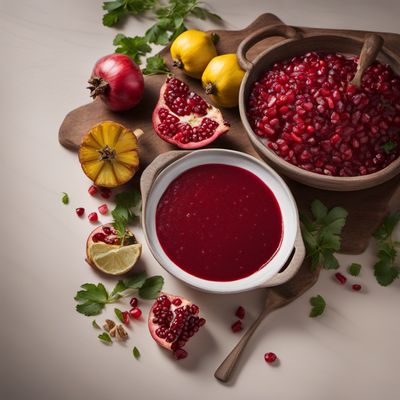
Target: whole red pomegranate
[[183, 118], [173, 320], [118, 81]]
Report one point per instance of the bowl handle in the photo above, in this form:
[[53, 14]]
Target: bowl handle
[[276, 30], [294, 264]]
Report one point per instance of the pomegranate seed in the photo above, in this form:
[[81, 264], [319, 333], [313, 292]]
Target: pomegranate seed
[[340, 278], [133, 302], [356, 287], [103, 209], [98, 237], [270, 357], [240, 312], [135, 312], [177, 301], [237, 326], [180, 354], [107, 230], [92, 217], [80, 211], [125, 317], [105, 193], [92, 190]]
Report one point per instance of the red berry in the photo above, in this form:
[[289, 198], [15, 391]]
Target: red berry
[[356, 287], [180, 354], [270, 357], [103, 209], [340, 278], [92, 190], [105, 193], [133, 302], [240, 312], [80, 211], [125, 317], [237, 326], [92, 217], [135, 312]]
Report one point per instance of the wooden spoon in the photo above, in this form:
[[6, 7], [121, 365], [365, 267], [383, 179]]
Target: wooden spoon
[[371, 47], [276, 297]]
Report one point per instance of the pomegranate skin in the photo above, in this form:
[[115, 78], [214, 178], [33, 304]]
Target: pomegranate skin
[[124, 78]]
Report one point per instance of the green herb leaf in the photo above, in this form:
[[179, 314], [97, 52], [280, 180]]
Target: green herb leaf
[[118, 314], [389, 146], [134, 47], [90, 308], [112, 17], [322, 234], [354, 269], [136, 353], [95, 324], [92, 293], [156, 65], [151, 287], [119, 8], [135, 281], [105, 338], [318, 306], [65, 198]]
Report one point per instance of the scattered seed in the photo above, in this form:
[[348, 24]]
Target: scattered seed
[[237, 326], [79, 211], [240, 312], [340, 278], [270, 357]]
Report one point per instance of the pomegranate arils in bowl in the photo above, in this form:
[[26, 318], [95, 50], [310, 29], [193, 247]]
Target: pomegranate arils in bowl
[[173, 323], [183, 118], [310, 116]]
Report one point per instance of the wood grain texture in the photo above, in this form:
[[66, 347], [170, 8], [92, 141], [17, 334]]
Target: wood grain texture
[[366, 207]]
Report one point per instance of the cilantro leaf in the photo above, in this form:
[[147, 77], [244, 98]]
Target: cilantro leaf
[[112, 17], [321, 234], [105, 338], [354, 269], [118, 314], [389, 146], [65, 198], [95, 324], [318, 306], [151, 287], [156, 65], [135, 47], [136, 353]]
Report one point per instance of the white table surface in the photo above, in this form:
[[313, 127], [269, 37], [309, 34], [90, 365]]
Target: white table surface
[[48, 350]]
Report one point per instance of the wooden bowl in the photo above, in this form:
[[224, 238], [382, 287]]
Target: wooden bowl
[[296, 45]]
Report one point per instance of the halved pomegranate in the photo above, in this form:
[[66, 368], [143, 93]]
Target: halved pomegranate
[[183, 118], [173, 320]]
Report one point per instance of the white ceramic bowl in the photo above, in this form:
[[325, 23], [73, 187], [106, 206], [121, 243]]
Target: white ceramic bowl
[[153, 188]]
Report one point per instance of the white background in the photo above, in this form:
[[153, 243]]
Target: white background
[[48, 350]]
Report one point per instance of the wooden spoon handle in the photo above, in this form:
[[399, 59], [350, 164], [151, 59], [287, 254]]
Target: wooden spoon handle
[[371, 47], [224, 371]]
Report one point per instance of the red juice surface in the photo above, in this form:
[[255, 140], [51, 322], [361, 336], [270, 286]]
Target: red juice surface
[[219, 222]]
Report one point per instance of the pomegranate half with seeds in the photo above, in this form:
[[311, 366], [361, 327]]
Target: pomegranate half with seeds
[[173, 320], [185, 119]]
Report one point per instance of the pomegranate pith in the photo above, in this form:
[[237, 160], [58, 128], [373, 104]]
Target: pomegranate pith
[[183, 118], [312, 117], [171, 325]]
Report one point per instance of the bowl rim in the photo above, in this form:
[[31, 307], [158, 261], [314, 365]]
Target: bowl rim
[[301, 175], [284, 197]]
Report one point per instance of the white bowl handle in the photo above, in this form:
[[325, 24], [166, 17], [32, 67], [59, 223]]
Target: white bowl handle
[[294, 265]]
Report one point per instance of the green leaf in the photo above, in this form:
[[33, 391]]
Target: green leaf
[[65, 198], [319, 210], [151, 287], [329, 241], [385, 273], [354, 269], [129, 199], [95, 324], [389, 146], [90, 308], [119, 287], [135, 281], [118, 314], [112, 17], [136, 353], [157, 34], [203, 13], [336, 213], [329, 260], [112, 5], [105, 338], [387, 227], [156, 65], [92, 293], [318, 306], [134, 47]]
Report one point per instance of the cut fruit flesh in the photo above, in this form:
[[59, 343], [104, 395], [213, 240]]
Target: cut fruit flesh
[[108, 154], [113, 259]]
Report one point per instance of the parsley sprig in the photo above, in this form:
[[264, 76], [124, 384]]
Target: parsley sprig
[[387, 269], [170, 22], [321, 234], [318, 305], [93, 298]]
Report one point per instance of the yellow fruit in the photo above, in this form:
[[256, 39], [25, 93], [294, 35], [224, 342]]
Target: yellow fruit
[[191, 51], [108, 154], [221, 80]]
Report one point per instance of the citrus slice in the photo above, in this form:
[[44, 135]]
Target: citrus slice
[[112, 259], [109, 154]]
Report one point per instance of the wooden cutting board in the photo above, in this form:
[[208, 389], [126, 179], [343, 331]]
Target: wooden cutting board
[[366, 207]]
